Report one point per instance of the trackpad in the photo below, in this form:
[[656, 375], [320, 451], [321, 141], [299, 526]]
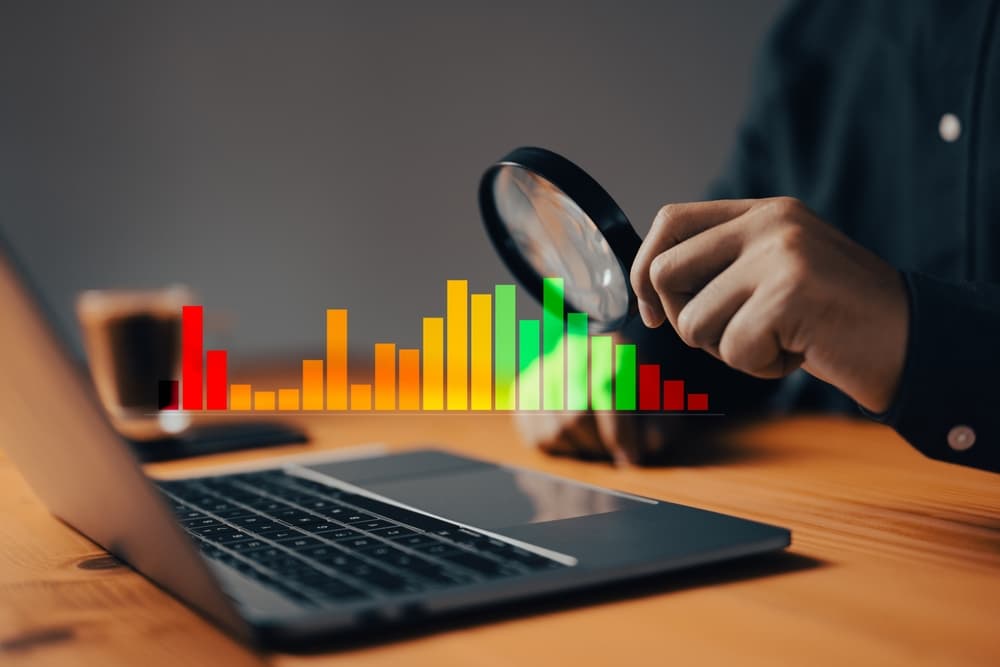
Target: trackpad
[[492, 497]]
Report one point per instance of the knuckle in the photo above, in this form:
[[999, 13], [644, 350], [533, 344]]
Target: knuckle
[[734, 349], [689, 327], [667, 213], [660, 271], [787, 207]]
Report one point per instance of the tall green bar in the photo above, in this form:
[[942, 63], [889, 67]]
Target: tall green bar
[[600, 372], [624, 377], [553, 333], [528, 367], [576, 361], [505, 346]]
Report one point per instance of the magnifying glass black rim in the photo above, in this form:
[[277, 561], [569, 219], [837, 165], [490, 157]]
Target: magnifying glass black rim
[[586, 193]]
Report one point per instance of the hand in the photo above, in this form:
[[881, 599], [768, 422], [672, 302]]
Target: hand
[[767, 287]]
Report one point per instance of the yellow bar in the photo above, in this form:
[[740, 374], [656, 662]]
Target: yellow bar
[[239, 397], [433, 363], [361, 397], [457, 317], [385, 376], [409, 379], [288, 399], [263, 400], [312, 384], [336, 359], [482, 352]]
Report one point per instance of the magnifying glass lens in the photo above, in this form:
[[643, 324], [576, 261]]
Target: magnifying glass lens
[[556, 238]]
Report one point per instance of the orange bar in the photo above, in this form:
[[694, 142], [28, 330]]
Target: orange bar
[[263, 400], [433, 363], [312, 384], [482, 352], [409, 379], [336, 359], [385, 376], [239, 397], [288, 399], [457, 319], [361, 397]]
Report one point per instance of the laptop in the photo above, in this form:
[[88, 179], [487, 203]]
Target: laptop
[[299, 551]]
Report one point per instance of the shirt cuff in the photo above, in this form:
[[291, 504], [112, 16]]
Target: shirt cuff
[[951, 359]]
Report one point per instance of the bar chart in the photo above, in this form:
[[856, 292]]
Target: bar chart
[[476, 357]]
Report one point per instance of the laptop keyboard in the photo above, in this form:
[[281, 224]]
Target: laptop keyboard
[[318, 545]]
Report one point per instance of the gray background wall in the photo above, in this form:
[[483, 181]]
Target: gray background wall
[[286, 157]]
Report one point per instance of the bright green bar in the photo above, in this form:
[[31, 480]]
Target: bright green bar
[[624, 377], [528, 377], [576, 361], [554, 361], [600, 372], [505, 346]]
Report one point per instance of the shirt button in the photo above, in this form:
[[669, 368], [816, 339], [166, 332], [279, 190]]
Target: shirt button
[[961, 437], [950, 127]]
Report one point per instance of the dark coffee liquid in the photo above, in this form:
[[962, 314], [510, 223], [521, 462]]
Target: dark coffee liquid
[[144, 351]]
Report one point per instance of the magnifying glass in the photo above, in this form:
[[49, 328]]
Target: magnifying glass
[[549, 218]]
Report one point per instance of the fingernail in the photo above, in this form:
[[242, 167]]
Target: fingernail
[[646, 313]]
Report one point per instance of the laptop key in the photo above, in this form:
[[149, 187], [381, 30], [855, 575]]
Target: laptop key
[[372, 525], [280, 533], [415, 540], [355, 517], [249, 545], [297, 543], [341, 534], [439, 549], [321, 527], [393, 532], [230, 537], [359, 542]]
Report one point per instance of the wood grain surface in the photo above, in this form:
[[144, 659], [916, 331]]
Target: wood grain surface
[[895, 561]]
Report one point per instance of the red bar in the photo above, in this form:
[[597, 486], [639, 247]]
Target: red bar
[[673, 395], [649, 387], [216, 379], [698, 402], [192, 327]]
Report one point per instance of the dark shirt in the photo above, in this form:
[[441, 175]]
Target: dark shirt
[[854, 112]]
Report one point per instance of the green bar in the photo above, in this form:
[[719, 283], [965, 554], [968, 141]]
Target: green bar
[[600, 372], [576, 361], [527, 382], [624, 377], [505, 342], [554, 362]]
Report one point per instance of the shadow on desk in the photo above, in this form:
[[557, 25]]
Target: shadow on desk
[[751, 567]]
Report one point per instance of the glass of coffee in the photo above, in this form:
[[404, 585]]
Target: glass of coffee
[[132, 339]]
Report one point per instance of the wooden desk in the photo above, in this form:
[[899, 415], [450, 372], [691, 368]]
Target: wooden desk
[[896, 560]]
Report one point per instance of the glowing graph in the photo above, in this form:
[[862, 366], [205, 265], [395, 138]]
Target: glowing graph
[[476, 357]]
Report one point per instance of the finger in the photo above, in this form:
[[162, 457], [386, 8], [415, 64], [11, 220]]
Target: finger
[[680, 272], [618, 434], [673, 224], [751, 341], [703, 318]]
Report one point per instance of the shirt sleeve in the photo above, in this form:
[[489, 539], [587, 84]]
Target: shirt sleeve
[[947, 402]]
